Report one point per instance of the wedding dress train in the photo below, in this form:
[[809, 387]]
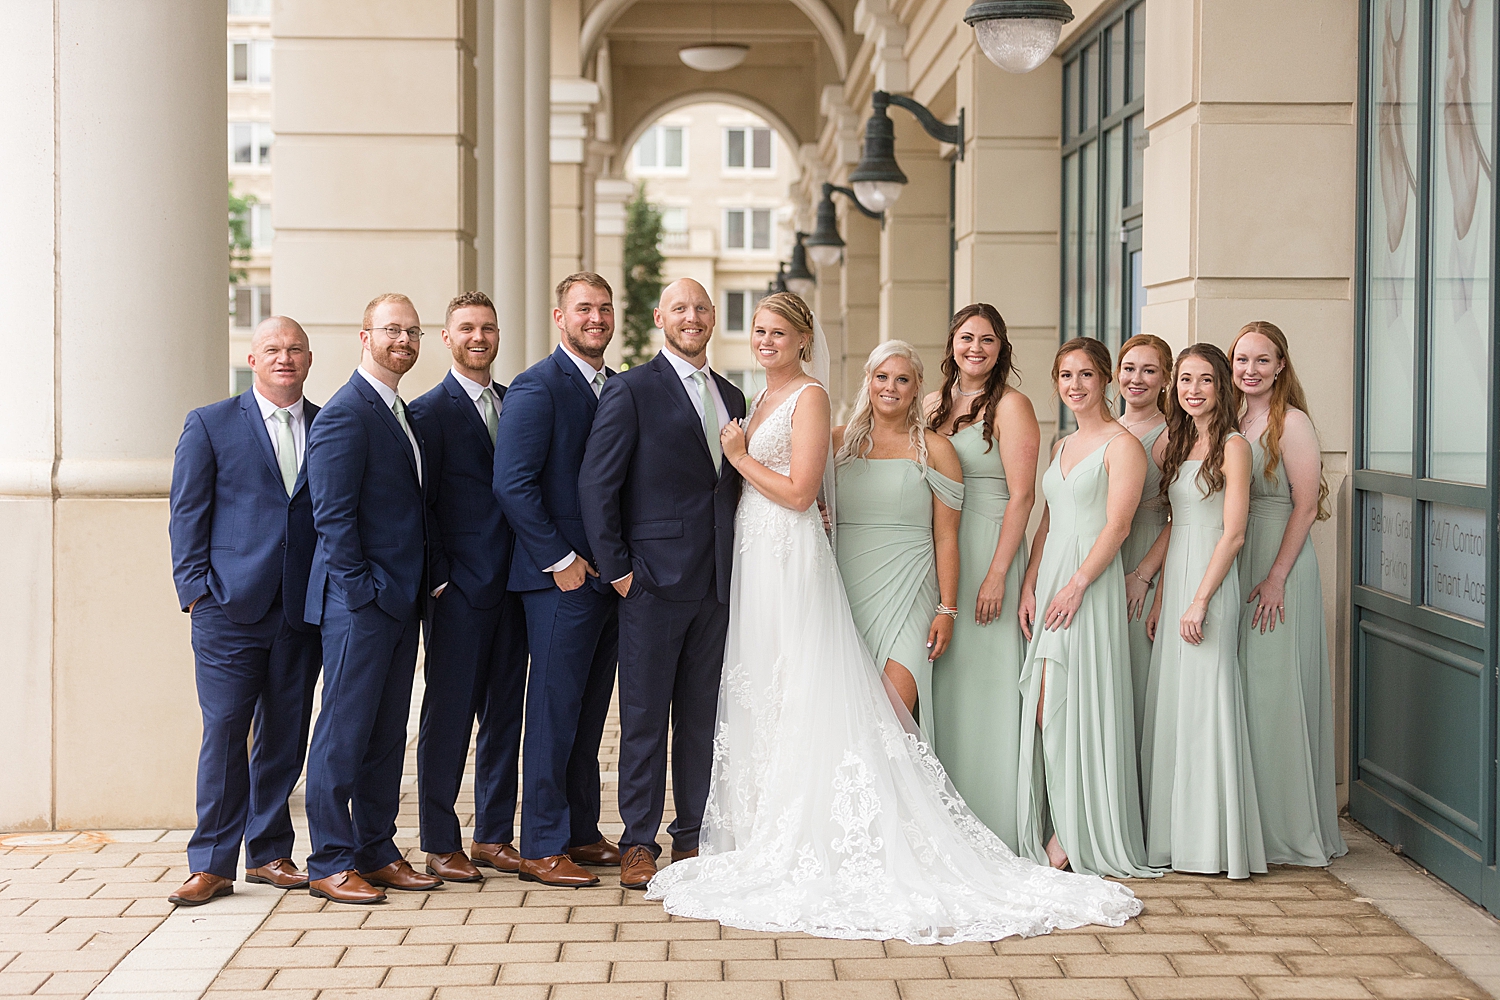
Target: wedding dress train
[[826, 814]]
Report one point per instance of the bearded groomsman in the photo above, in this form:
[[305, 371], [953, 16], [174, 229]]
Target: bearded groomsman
[[571, 615], [476, 631], [365, 470], [242, 543]]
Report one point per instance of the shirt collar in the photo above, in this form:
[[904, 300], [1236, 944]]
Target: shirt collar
[[684, 369], [267, 407], [386, 392], [473, 388], [585, 369]]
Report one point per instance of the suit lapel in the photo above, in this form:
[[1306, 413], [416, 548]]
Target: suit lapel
[[575, 378], [677, 392], [308, 412], [387, 416], [257, 425], [467, 410]]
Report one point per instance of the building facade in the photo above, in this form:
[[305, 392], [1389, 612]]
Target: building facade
[[1179, 167], [249, 66]]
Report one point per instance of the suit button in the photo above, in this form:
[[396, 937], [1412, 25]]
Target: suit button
[[283, 544]]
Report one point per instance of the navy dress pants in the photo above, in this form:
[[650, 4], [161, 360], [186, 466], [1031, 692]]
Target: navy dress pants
[[574, 640], [354, 763], [671, 655], [251, 678], [475, 668]]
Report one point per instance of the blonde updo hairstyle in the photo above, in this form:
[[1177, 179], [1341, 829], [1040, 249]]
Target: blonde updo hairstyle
[[790, 307], [857, 434]]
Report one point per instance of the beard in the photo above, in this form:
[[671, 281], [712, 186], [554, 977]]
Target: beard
[[579, 344], [390, 362]]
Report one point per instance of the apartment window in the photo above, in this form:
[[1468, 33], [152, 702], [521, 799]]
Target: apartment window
[[250, 61], [674, 220], [251, 304], [747, 148], [1104, 144], [660, 149], [739, 309], [250, 143], [747, 229], [240, 380]]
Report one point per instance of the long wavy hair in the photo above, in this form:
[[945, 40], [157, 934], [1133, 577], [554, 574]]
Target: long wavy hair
[[790, 307], [988, 400], [1098, 354], [1182, 430], [857, 433], [1286, 393], [1164, 355]]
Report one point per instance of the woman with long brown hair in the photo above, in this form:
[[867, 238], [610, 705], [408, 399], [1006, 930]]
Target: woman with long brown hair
[[1283, 640], [976, 695], [1075, 682], [1196, 775]]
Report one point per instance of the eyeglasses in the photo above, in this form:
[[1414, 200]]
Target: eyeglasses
[[395, 332]]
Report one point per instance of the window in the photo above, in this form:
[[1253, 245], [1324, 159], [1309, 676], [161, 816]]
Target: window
[[748, 381], [739, 309], [250, 143], [249, 8], [249, 304], [250, 61], [660, 149], [758, 223], [261, 230], [240, 380], [747, 148], [1104, 144]]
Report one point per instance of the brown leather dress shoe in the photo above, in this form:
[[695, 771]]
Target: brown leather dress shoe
[[683, 855], [555, 871], [200, 888], [602, 853], [281, 873], [453, 867], [401, 875], [501, 857], [345, 887], [637, 868]]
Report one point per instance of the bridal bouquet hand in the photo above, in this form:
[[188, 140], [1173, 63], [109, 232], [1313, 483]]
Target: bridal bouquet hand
[[732, 442]]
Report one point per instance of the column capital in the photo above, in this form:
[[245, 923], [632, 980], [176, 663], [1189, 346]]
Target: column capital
[[610, 197], [877, 21], [573, 98], [842, 122]]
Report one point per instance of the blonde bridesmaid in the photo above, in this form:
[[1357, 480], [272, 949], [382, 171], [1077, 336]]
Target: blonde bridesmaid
[[1283, 642], [976, 694]]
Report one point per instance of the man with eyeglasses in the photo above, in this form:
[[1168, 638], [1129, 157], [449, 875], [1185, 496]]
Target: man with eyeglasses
[[367, 590], [475, 631]]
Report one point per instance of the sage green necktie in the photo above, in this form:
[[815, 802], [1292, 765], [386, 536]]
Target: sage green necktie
[[286, 449], [710, 418], [491, 415], [598, 383], [399, 409]]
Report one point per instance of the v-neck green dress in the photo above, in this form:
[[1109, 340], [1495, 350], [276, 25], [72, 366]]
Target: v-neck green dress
[[888, 561], [976, 689], [1145, 529], [1083, 756], [1288, 689]]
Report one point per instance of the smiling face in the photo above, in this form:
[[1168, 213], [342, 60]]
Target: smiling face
[[1142, 376], [686, 316], [1256, 364], [1197, 387], [776, 344], [473, 336], [280, 357], [976, 348], [893, 388], [394, 354], [586, 320], [1080, 383]]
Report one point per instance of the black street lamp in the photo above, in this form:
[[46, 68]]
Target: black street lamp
[[798, 279], [1018, 35], [877, 179], [824, 244], [778, 283]]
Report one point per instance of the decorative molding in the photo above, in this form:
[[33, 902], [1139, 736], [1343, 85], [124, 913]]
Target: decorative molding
[[611, 194], [573, 100], [876, 20], [844, 123]]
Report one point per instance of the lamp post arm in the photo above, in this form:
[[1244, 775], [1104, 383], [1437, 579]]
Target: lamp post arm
[[941, 131], [849, 193]]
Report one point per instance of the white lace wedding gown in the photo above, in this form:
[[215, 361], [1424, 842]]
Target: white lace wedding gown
[[825, 814]]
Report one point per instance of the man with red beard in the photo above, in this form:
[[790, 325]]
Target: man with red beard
[[365, 472]]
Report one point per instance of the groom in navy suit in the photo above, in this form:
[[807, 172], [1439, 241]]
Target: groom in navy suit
[[476, 631], [571, 615], [242, 543], [367, 590], [658, 508]]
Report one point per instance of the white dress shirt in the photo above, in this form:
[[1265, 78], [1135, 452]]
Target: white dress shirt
[[686, 371], [299, 425], [589, 373], [477, 391], [389, 396]]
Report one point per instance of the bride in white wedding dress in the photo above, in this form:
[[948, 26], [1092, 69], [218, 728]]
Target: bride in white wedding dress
[[827, 814]]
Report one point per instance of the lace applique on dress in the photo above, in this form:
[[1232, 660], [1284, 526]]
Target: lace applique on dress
[[771, 446]]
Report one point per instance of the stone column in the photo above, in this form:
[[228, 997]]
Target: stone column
[[572, 102], [859, 291], [914, 247], [611, 195], [114, 271], [509, 166], [537, 112]]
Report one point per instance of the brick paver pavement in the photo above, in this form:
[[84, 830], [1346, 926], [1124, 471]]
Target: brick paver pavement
[[71, 907]]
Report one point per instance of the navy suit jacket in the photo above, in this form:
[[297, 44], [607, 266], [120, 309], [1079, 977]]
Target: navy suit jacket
[[470, 543], [368, 505], [652, 502], [544, 430], [235, 533]]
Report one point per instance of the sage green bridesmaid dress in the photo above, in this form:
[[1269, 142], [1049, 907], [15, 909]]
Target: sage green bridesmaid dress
[[1196, 773], [976, 691], [888, 561], [1145, 528], [1081, 766], [1288, 690]]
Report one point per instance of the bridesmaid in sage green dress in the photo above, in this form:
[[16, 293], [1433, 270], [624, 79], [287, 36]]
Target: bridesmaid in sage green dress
[[1196, 772], [1143, 369], [899, 491], [1075, 684], [1283, 639], [976, 692]]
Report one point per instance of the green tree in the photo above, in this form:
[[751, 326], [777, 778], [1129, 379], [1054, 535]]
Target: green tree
[[239, 233], [643, 282]]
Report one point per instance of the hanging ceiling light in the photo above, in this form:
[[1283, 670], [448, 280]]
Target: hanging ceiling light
[[1018, 35], [714, 56]]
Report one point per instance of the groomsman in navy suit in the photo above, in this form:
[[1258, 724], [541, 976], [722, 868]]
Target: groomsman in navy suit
[[476, 631], [571, 617], [242, 544], [659, 504], [367, 590]]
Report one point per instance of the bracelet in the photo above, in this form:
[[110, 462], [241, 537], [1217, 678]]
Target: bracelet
[[1137, 574], [950, 612]]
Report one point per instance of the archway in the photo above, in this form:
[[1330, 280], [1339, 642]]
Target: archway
[[788, 134]]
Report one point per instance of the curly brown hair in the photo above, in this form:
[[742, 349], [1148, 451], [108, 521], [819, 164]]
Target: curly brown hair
[[1286, 393], [1182, 430], [988, 401]]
